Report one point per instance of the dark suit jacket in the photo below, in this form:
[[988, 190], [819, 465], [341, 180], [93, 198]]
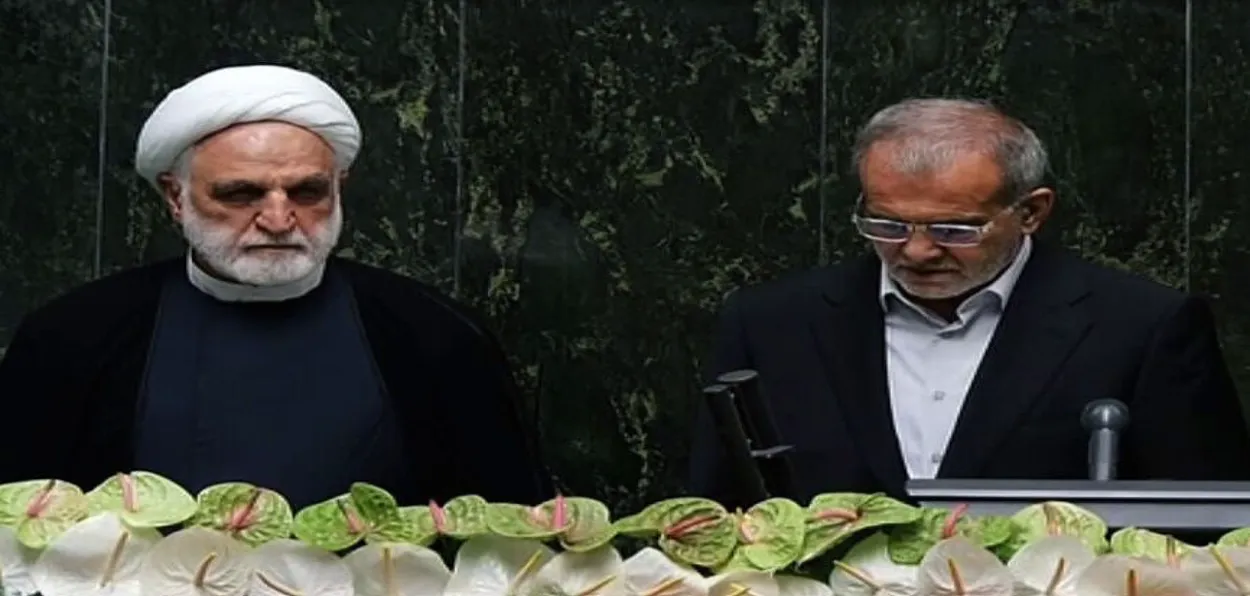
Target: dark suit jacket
[[1071, 333], [71, 379]]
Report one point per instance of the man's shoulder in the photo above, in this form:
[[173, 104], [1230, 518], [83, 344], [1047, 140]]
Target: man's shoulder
[[1117, 284], [412, 302], [111, 297]]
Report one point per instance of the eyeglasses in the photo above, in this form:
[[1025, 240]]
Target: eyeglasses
[[943, 234]]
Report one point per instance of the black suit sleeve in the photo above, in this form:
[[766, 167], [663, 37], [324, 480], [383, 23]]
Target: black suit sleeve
[[493, 449], [1186, 419], [709, 474]]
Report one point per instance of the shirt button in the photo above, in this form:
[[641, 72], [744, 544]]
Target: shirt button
[[939, 395], [936, 458]]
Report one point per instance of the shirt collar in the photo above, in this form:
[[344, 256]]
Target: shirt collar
[[227, 291], [1000, 288]]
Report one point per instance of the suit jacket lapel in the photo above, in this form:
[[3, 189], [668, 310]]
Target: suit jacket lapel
[[1041, 326], [850, 336]]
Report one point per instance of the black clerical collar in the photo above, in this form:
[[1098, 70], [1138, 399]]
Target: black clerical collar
[[234, 292]]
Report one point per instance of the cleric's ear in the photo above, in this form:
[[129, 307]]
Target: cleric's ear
[[171, 191]]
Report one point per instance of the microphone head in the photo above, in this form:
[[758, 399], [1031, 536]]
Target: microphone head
[[1110, 414]]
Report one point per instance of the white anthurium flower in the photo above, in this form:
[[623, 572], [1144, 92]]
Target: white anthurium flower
[[493, 565], [397, 569], [651, 573], [16, 562], [197, 561], [292, 568], [596, 572], [1219, 570], [742, 583], [959, 567], [99, 556], [789, 585], [1121, 575], [867, 570], [1050, 566]]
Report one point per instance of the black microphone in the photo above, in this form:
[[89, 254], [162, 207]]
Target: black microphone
[[1104, 419]]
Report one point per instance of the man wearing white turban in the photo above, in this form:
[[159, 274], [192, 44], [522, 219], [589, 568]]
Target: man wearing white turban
[[260, 357]]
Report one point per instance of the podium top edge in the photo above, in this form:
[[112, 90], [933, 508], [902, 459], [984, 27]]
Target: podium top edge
[[1077, 490]]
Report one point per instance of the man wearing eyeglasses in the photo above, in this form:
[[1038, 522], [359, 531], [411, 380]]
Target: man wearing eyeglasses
[[962, 347]]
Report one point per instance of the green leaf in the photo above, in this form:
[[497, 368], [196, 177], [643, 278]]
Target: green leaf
[[772, 534], [250, 514], [383, 520], [332, 525], [1239, 537], [462, 517], [698, 531], [832, 518], [909, 543], [421, 519], [1136, 542], [41, 510], [590, 525], [143, 500], [647, 523], [1056, 518], [529, 523]]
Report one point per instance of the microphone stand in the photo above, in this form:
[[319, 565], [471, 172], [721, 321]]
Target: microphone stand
[[720, 401], [767, 452]]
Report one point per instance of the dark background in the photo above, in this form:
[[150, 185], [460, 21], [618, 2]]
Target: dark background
[[595, 175]]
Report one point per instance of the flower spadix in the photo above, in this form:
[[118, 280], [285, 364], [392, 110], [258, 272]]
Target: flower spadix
[[691, 530], [1124, 575], [834, 517], [650, 573], [867, 570], [39, 510], [98, 556], [910, 542], [579, 523], [960, 567], [250, 514], [1050, 566], [742, 583], [291, 568], [590, 573], [1219, 571], [495, 565], [197, 561], [142, 500], [366, 513], [397, 569]]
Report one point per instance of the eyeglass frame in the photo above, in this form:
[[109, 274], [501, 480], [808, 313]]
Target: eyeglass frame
[[912, 227]]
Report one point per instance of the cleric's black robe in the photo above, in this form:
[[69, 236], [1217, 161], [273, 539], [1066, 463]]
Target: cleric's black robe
[[73, 374]]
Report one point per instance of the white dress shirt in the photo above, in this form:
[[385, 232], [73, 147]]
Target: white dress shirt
[[930, 363]]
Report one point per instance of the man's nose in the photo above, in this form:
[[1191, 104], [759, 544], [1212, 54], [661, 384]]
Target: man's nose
[[277, 214], [920, 248]]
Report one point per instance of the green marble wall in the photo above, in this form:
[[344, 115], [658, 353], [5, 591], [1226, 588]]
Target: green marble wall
[[595, 175]]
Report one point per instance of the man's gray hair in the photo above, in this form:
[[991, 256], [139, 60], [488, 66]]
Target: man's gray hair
[[928, 134]]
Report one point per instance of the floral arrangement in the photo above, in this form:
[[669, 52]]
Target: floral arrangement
[[141, 534]]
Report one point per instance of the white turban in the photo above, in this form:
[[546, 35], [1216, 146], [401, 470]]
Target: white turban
[[239, 94]]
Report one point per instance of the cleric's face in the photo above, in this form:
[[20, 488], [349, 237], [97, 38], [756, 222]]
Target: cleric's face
[[259, 203]]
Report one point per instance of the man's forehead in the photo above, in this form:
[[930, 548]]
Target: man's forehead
[[966, 181], [263, 150]]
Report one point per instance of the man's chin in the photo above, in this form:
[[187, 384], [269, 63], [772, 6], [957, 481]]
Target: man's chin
[[272, 272]]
